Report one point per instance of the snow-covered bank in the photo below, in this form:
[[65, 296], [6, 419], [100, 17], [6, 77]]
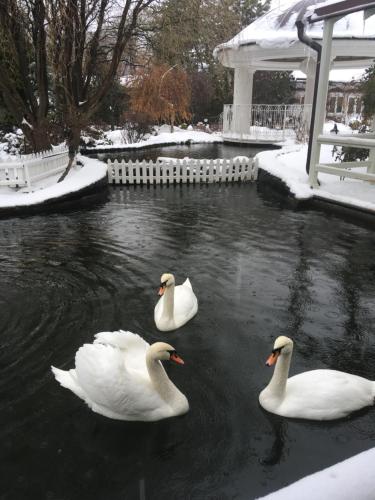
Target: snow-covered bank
[[288, 164], [163, 138], [351, 479], [78, 179]]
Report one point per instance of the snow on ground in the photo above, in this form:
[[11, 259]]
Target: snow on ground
[[289, 163], [164, 136], [351, 479], [78, 178]]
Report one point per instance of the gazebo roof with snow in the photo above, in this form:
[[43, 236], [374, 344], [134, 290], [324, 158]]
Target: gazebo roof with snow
[[271, 42]]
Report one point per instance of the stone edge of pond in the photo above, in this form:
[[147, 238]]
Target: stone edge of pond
[[64, 201], [121, 149], [333, 206]]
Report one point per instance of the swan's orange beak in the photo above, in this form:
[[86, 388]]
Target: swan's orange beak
[[161, 291], [272, 359], [174, 357]]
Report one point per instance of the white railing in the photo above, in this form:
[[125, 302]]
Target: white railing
[[176, 171], [266, 122], [23, 170], [361, 170]]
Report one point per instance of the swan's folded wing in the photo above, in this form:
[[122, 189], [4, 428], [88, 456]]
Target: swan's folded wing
[[159, 307], [122, 339], [185, 303], [133, 347], [187, 283], [102, 374]]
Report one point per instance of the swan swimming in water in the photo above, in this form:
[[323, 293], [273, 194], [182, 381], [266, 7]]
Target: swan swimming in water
[[315, 394], [176, 306], [121, 376]]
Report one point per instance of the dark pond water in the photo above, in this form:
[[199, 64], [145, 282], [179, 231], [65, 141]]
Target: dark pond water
[[209, 151], [259, 269]]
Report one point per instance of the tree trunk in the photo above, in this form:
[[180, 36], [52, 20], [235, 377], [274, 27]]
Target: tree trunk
[[73, 145], [37, 136]]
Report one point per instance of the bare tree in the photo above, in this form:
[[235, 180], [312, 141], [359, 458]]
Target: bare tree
[[83, 36], [23, 68]]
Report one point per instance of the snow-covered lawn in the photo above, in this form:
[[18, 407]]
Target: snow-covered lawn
[[289, 163], [78, 178], [164, 136], [352, 479]]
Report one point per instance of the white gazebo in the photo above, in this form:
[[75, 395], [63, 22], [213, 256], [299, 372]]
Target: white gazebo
[[271, 43]]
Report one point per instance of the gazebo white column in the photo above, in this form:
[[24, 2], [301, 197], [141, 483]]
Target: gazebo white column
[[308, 66], [321, 100], [242, 99]]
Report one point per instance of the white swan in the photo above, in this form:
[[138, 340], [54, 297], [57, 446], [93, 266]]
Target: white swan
[[176, 305], [120, 376], [316, 394]]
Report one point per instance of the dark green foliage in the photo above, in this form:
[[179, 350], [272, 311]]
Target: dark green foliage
[[345, 154], [368, 89], [7, 120], [249, 10], [273, 87], [112, 106], [210, 90]]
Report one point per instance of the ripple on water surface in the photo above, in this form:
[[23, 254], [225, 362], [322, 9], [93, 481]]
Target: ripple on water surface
[[259, 270]]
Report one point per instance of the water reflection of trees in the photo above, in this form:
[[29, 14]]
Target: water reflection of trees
[[355, 286], [300, 299], [351, 268]]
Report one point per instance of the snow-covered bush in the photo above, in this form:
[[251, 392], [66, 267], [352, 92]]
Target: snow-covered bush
[[93, 136], [12, 142]]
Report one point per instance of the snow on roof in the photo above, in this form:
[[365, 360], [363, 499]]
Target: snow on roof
[[277, 27]]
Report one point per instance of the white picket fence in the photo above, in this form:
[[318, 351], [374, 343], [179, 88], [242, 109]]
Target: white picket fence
[[181, 171], [25, 169]]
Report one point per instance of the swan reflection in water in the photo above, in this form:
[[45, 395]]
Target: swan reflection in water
[[279, 426]]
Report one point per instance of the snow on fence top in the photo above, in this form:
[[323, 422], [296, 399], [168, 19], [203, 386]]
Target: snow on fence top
[[61, 148], [277, 28]]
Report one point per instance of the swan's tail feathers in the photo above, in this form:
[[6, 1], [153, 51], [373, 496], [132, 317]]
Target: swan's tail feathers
[[121, 339], [187, 283], [68, 379]]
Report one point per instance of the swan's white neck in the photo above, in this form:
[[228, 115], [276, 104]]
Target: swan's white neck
[[160, 379], [279, 379], [168, 302]]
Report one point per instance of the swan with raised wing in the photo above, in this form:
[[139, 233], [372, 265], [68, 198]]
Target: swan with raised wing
[[316, 394], [177, 304], [121, 376]]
